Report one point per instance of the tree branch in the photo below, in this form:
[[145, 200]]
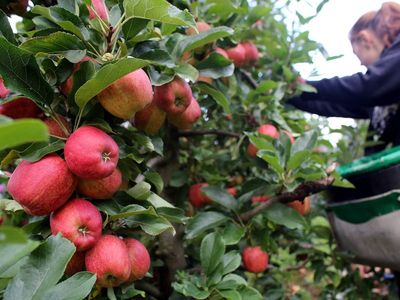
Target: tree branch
[[303, 190], [208, 132], [247, 77]]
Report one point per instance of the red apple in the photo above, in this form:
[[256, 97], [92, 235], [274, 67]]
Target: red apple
[[54, 127], [17, 7], [139, 257], [78, 221], [232, 191], [100, 8], [91, 153], [259, 199], [255, 260], [222, 52], [109, 260], [197, 197], [76, 264], [186, 119], [150, 119], [102, 188], [302, 207], [266, 129], [201, 27], [173, 97], [290, 135], [43, 186], [20, 108], [3, 90], [237, 55], [251, 53], [127, 95]]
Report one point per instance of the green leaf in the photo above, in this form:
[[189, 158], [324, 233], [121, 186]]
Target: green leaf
[[158, 202], [304, 142], [190, 290], [202, 222], [187, 72], [12, 235], [215, 66], [247, 292], [5, 28], [132, 210], [218, 96], [155, 179], [158, 10], [230, 295], [232, 233], [140, 191], [106, 76], [10, 205], [75, 287], [172, 214], [21, 74], [284, 215], [11, 253], [212, 250], [133, 26], [220, 196], [41, 272], [231, 261], [21, 132], [38, 150], [68, 45], [297, 159]]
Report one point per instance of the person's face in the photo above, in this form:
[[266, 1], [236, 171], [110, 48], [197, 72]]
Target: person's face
[[367, 48]]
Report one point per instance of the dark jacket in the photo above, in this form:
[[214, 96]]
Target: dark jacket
[[374, 95]]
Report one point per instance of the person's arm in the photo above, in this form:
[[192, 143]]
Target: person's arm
[[328, 109], [379, 86]]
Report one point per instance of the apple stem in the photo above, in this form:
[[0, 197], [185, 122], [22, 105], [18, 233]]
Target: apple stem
[[55, 117]]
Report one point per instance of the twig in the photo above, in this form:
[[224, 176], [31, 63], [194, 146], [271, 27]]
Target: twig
[[303, 190], [247, 77], [298, 267], [208, 132]]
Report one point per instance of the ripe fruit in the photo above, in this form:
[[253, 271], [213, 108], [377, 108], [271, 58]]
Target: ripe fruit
[[201, 27], [43, 186], [17, 7], [251, 53], [20, 108], [139, 258], [222, 52], [290, 135], [237, 55], [232, 191], [75, 264], [100, 8], [173, 97], [259, 199], [91, 153], [78, 221], [266, 129], [3, 90], [55, 129], [102, 188], [197, 197], [150, 119], [128, 95], [254, 259], [302, 208], [186, 119], [109, 259]]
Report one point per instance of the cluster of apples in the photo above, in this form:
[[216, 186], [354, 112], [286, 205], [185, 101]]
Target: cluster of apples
[[46, 187]]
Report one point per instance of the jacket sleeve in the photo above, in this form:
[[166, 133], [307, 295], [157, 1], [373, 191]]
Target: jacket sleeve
[[328, 109], [379, 86]]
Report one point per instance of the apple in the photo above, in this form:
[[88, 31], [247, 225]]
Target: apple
[[173, 97], [78, 221], [109, 260], [102, 188], [197, 197], [266, 129], [259, 199], [43, 186], [201, 27], [100, 8], [290, 135], [222, 52], [3, 90], [251, 53], [237, 55], [232, 191], [302, 207], [139, 258], [186, 119], [91, 153], [76, 264], [206, 79], [255, 260], [150, 119], [17, 7], [55, 128], [20, 108], [127, 95]]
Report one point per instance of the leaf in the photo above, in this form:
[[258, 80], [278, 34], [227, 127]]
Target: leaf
[[133, 26], [218, 96], [190, 290], [215, 66], [220, 196], [21, 132], [284, 215], [231, 261], [158, 10], [232, 233], [187, 71], [155, 179], [297, 159], [202, 222], [211, 252], [41, 272], [247, 292], [140, 191], [21, 74], [305, 142], [75, 287], [68, 45], [11, 253], [12, 235], [5, 28], [38, 150], [230, 295], [106, 76]]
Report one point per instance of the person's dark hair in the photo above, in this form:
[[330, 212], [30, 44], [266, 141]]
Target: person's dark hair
[[385, 23]]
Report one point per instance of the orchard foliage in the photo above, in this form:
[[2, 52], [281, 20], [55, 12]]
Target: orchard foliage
[[65, 53]]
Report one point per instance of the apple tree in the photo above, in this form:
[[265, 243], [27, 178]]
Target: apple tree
[[147, 152]]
